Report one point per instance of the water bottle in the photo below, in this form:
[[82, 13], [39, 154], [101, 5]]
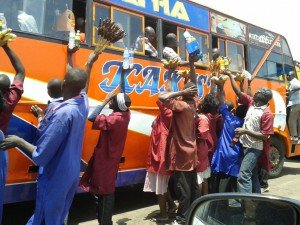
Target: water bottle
[[131, 54], [2, 22], [77, 38], [192, 45], [126, 59], [72, 38]]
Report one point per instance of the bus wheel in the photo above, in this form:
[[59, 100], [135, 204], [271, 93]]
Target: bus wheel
[[277, 152]]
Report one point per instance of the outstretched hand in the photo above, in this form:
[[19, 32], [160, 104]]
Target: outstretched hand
[[36, 111], [190, 91], [72, 50], [10, 142]]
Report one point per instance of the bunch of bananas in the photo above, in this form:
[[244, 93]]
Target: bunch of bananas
[[171, 64], [220, 65], [6, 36], [219, 80], [109, 32], [243, 75]]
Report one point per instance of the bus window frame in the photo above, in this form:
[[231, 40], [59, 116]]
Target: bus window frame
[[197, 32], [236, 43], [93, 19], [224, 40], [112, 8]]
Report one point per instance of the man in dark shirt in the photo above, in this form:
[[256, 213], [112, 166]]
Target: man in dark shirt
[[11, 94]]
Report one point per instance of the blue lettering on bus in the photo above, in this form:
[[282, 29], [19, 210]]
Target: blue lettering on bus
[[177, 11], [150, 81]]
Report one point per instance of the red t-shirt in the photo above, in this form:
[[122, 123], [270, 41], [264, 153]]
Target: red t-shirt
[[202, 134], [11, 99], [102, 170], [266, 127], [181, 145], [156, 162]]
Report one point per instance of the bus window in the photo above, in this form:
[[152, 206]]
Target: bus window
[[236, 53], [221, 47], [24, 15], [271, 69], [79, 7], [201, 38], [133, 25], [99, 11]]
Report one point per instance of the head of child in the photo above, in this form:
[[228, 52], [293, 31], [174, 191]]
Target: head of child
[[208, 105], [120, 103], [54, 88], [240, 111]]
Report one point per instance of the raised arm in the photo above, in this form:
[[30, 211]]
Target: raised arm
[[188, 91], [99, 108], [221, 94], [234, 85], [193, 75], [70, 53], [16, 62], [88, 67]]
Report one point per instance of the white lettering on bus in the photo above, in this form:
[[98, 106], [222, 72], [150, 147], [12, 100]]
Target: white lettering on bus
[[264, 39], [178, 11]]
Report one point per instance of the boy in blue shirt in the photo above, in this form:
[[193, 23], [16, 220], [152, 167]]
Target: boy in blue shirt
[[227, 157]]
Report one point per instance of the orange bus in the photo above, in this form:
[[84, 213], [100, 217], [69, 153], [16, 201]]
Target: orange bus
[[42, 29]]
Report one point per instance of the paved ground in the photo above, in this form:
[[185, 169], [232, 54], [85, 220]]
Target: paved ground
[[135, 207]]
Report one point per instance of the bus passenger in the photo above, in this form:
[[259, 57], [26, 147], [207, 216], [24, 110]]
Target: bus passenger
[[254, 135], [181, 152], [294, 104], [100, 176], [10, 96], [149, 38], [157, 176], [171, 44], [58, 151]]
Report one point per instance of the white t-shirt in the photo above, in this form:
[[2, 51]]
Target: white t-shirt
[[169, 53], [27, 22]]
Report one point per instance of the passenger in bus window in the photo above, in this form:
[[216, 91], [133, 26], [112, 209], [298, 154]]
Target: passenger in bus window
[[10, 96], [26, 22], [171, 44], [149, 41]]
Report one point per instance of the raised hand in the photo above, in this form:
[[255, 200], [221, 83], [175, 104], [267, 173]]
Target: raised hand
[[36, 111]]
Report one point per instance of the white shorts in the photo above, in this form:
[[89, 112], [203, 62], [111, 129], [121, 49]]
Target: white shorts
[[156, 183], [203, 175]]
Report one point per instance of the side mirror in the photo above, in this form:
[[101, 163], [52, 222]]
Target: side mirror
[[244, 209]]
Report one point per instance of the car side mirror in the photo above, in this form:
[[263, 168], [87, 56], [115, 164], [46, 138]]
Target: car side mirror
[[244, 209]]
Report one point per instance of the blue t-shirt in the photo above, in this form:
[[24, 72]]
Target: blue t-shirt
[[225, 158]]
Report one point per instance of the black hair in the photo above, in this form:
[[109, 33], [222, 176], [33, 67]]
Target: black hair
[[115, 106], [55, 88], [230, 105], [2, 103], [209, 104], [241, 111]]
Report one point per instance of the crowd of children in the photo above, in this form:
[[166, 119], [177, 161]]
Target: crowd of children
[[203, 145]]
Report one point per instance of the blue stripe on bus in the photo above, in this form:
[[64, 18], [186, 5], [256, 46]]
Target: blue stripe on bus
[[27, 191]]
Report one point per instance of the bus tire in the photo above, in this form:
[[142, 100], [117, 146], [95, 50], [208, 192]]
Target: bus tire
[[277, 156]]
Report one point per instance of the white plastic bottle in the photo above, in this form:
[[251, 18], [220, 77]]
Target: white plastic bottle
[[3, 22], [72, 38], [126, 59], [131, 55]]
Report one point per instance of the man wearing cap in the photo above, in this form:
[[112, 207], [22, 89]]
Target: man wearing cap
[[100, 176], [294, 104], [254, 135]]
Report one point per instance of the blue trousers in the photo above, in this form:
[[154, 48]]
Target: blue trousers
[[3, 174], [248, 181]]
